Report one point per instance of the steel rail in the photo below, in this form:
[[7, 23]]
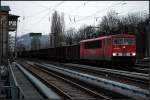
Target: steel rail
[[52, 86], [119, 72], [101, 72], [42, 87], [110, 74], [70, 82], [127, 90]]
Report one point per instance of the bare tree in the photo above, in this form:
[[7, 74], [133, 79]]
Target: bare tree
[[62, 21], [69, 36], [57, 29], [73, 36], [109, 22], [81, 32], [142, 37], [136, 23], [86, 32]]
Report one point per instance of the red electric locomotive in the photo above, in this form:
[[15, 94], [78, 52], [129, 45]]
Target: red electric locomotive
[[113, 49]]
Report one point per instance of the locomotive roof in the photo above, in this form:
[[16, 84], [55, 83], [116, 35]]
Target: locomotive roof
[[109, 36]]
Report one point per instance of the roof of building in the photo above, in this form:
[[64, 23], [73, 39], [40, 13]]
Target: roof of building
[[13, 17], [4, 8]]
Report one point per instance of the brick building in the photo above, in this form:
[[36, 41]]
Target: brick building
[[4, 13], [8, 23]]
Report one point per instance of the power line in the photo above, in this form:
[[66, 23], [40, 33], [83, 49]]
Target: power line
[[78, 7], [48, 13], [47, 8], [97, 12], [36, 14], [74, 15], [37, 4], [133, 10], [36, 23], [56, 6], [53, 9]]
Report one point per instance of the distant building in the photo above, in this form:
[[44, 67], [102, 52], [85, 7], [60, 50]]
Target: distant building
[[24, 41], [35, 40], [44, 41], [4, 13], [27, 42]]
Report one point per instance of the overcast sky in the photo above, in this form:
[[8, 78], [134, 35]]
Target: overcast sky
[[35, 16]]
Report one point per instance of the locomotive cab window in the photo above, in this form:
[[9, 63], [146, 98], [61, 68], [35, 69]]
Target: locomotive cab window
[[129, 41], [118, 41], [124, 41], [92, 44]]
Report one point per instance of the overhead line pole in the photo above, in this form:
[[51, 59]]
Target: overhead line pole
[[0, 37]]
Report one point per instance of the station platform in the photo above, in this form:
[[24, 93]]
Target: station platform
[[29, 91]]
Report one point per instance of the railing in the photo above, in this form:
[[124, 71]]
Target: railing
[[16, 91]]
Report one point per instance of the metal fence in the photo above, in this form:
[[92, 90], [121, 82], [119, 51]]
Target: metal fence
[[15, 90]]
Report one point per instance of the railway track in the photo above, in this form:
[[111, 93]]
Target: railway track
[[142, 70], [144, 63], [132, 78], [112, 87], [64, 87]]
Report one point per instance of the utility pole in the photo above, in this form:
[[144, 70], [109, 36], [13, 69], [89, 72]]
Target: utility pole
[[0, 36]]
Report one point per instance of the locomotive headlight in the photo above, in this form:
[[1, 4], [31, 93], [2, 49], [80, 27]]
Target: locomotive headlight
[[133, 54], [114, 54]]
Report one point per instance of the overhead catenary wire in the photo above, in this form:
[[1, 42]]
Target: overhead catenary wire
[[42, 11], [73, 15], [45, 9], [57, 5], [95, 13], [53, 9], [39, 5], [74, 18], [99, 11], [41, 19], [85, 17], [47, 14], [83, 4], [36, 14], [132, 10]]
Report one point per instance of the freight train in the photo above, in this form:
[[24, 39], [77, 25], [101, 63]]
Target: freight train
[[112, 49]]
